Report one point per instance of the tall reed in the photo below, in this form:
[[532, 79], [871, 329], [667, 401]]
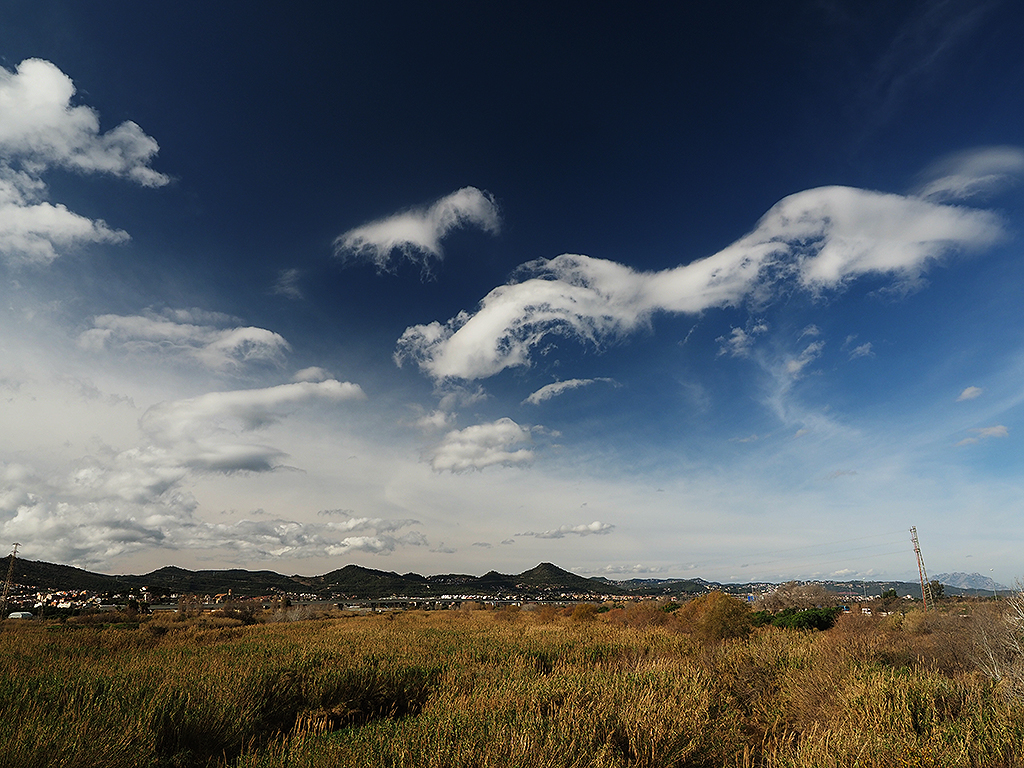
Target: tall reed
[[486, 688]]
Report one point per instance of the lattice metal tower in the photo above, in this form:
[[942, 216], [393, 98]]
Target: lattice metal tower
[[926, 587], [9, 581]]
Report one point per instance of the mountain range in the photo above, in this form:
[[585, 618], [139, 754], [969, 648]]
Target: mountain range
[[352, 581], [969, 581], [356, 582]]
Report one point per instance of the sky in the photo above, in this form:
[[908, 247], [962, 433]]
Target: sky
[[728, 290]]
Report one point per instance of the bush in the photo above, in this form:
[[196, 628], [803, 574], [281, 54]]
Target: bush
[[716, 616], [813, 618], [998, 643], [793, 594]]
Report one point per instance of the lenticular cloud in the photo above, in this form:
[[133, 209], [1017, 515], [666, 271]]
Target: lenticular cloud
[[416, 233], [815, 240]]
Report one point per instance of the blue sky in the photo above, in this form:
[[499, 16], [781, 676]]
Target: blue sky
[[729, 291]]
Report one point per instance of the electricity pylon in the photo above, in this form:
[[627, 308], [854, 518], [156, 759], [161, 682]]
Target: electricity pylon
[[926, 586], [9, 581]]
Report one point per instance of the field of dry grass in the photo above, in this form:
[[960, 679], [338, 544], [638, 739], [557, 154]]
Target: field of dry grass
[[629, 687]]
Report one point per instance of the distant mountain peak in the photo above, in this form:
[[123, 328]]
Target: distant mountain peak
[[969, 581], [547, 569]]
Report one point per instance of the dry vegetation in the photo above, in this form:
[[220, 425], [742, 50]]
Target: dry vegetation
[[639, 685]]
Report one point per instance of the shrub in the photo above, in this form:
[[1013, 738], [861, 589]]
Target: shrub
[[716, 616], [793, 594], [813, 618], [998, 643]]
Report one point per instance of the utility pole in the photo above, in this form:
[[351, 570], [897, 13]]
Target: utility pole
[[926, 589], [8, 582]]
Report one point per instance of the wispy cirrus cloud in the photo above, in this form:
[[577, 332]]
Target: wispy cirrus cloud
[[984, 433], [862, 350], [480, 446], [978, 172], [40, 130], [561, 387], [795, 365], [814, 241], [287, 284], [416, 233], [188, 333], [740, 341], [596, 528]]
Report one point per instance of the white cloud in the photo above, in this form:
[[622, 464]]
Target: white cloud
[[273, 539], [39, 130], [202, 434], [92, 532], [287, 283], [976, 172], [970, 393], [560, 387], [815, 240], [313, 373], [596, 528], [862, 350], [178, 333], [250, 409], [436, 419], [984, 433], [739, 342], [455, 395], [416, 233], [795, 366], [482, 445], [111, 503], [34, 232], [627, 570]]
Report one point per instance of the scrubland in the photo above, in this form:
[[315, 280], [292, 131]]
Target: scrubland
[[631, 686]]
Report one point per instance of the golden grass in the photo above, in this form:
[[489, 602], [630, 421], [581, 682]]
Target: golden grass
[[487, 688]]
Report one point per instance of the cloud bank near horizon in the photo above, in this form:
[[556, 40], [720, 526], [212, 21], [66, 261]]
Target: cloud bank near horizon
[[112, 502]]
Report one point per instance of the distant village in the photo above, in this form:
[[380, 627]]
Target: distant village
[[30, 602]]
